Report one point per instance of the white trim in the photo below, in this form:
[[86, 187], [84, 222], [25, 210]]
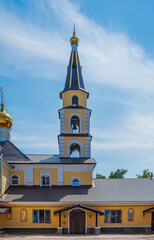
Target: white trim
[[60, 178], [77, 142], [99, 204], [18, 179], [80, 123], [75, 178], [85, 219], [45, 174]]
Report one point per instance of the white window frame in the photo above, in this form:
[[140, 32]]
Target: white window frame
[[18, 179], [75, 178], [45, 174]]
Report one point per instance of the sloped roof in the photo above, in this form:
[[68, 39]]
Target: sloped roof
[[12, 153], [55, 159], [74, 79], [103, 191]]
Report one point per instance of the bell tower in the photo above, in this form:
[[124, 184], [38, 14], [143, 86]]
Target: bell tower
[[74, 139]]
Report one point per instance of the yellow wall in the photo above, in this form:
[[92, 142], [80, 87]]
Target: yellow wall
[[67, 98], [15, 220], [86, 177], [5, 172], [69, 112], [20, 174], [68, 139], [37, 175]]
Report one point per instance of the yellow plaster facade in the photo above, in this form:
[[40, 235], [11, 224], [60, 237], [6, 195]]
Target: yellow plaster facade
[[14, 219], [67, 98], [68, 112], [85, 177], [36, 174]]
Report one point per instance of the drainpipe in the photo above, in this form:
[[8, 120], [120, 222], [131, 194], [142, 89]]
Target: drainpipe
[[1, 155], [151, 176]]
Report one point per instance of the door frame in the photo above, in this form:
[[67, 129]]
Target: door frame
[[69, 219]]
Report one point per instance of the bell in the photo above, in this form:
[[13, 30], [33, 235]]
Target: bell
[[74, 126]]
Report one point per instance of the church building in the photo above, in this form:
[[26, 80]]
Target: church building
[[57, 193]]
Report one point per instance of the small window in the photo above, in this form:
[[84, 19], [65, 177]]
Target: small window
[[45, 181], [74, 101], [15, 180], [41, 216], [113, 216], [75, 182]]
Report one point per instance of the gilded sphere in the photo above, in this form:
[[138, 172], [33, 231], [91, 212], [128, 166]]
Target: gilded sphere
[[5, 120], [74, 40]]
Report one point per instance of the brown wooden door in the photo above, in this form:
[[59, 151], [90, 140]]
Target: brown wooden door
[[152, 222], [77, 221]]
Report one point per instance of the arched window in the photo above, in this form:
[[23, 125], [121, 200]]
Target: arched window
[[75, 181], [75, 124], [75, 150], [14, 180], [74, 101]]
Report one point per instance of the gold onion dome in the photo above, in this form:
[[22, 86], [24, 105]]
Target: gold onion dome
[[5, 119], [74, 39]]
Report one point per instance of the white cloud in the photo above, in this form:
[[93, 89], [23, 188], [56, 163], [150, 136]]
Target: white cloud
[[136, 132], [108, 58]]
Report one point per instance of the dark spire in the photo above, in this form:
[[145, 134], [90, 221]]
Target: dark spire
[[74, 79]]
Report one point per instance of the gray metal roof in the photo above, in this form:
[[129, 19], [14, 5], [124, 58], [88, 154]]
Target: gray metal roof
[[12, 153], [103, 190], [55, 159]]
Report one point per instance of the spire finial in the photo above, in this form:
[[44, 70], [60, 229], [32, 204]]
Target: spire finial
[[2, 104], [74, 40], [74, 30], [1, 94]]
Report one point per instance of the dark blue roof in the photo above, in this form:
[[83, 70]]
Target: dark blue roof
[[74, 79]]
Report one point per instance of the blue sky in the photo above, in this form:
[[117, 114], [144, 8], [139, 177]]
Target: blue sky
[[117, 56]]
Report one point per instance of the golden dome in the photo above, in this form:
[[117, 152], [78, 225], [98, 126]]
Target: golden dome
[[74, 39], [5, 119]]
